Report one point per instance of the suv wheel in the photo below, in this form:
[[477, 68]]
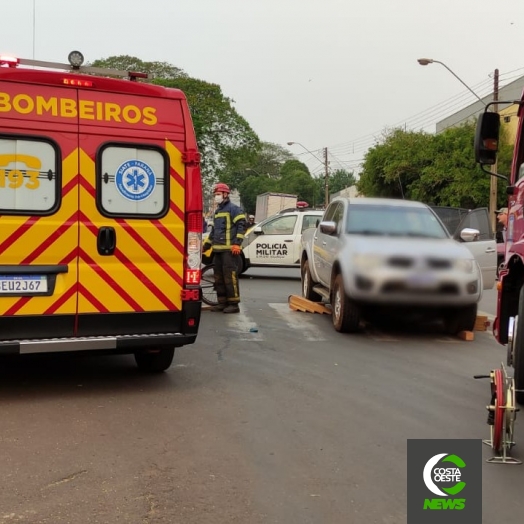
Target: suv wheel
[[460, 319], [307, 284], [346, 316]]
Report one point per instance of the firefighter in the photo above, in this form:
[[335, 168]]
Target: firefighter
[[226, 238]]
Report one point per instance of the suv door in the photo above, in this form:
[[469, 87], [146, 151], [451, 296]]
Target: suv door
[[484, 249], [321, 246]]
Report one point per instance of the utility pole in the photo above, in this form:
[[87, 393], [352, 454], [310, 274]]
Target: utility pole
[[326, 176], [493, 181]]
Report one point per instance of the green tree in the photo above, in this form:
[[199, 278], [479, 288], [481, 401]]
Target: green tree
[[224, 137], [266, 161], [436, 169], [340, 179], [155, 70]]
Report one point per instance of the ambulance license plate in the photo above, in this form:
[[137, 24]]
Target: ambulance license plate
[[14, 284]]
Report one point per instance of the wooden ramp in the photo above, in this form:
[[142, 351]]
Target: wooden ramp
[[297, 303]]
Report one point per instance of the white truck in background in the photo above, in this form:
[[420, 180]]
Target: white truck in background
[[269, 204]]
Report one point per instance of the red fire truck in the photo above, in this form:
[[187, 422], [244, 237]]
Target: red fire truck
[[100, 213], [508, 327]]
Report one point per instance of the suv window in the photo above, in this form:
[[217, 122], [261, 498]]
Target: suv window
[[337, 217], [478, 219], [330, 211]]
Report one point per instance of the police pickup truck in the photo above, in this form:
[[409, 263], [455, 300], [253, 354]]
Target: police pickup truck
[[275, 242]]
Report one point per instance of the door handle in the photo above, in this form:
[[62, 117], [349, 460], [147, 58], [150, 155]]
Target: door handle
[[289, 240], [324, 243], [314, 238], [490, 250], [106, 241]]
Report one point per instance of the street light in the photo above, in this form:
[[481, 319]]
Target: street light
[[426, 61], [493, 181], [256, 172], [310, 152], [324, 162]]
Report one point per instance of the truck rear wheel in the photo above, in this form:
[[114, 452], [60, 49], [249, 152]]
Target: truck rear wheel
[[154, 360], [518, 352], [460, 319], [346, 315], [307, 284]]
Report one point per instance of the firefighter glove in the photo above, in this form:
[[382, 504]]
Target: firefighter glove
[[236, 249], [206, 246]]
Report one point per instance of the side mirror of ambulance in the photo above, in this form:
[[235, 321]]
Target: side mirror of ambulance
[[487, 138], [257, 230], [469, 234]]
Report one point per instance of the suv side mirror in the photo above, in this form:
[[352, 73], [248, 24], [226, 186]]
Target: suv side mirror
[[487, 138], [257, 230], [469, 234], [328, 227]]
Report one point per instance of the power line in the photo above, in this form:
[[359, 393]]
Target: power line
[[422, 119]]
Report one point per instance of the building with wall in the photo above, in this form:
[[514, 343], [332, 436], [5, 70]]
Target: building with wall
[[511, 91], [347, 192]]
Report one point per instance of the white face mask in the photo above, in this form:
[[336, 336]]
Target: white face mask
[[219, 199]]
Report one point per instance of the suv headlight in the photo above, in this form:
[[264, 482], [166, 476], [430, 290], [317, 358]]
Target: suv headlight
[[465, 264]]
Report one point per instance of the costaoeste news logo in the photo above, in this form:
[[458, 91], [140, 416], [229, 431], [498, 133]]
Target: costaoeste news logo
[[442, 476], [444, 488]]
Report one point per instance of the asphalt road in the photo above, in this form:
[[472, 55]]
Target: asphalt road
[[272, 417]]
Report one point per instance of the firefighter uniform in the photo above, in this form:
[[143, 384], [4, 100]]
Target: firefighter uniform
[[227, 234]]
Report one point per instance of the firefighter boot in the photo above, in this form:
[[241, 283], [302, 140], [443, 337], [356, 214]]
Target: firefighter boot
[[232, 308], [219, 307]]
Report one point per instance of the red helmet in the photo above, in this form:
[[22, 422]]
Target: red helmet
[[221, 188]]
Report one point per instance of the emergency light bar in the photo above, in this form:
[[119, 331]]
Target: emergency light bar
[[76, 59]]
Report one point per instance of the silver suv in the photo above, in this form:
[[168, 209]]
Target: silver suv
[[381, 257]]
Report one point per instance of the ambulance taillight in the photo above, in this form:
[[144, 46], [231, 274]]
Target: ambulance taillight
[[194, 248]]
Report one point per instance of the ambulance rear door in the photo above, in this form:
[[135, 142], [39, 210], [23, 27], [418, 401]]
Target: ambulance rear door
[[38, 214], [132, 203]]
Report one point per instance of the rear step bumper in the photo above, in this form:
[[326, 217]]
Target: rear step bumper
[[119, 344]]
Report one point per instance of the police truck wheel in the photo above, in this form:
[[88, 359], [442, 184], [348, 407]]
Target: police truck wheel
[[345, 314], [307, 284], [154, 361], [518, 351], [241, 264]]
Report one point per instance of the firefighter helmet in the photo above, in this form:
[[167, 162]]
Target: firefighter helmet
[[221, 188]]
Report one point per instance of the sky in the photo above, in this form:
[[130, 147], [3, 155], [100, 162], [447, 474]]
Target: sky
[[321, 73]]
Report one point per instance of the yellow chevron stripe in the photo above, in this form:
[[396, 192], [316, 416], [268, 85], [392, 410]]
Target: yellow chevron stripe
[[67, 307], [175, 159], [102, 290]]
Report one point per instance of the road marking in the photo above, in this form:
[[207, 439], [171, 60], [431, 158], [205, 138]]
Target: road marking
[[242, 323], [299, 321]]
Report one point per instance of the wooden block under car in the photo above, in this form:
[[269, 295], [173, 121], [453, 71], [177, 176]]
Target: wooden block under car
[[482, 323], [466, 335], [297, 303]]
